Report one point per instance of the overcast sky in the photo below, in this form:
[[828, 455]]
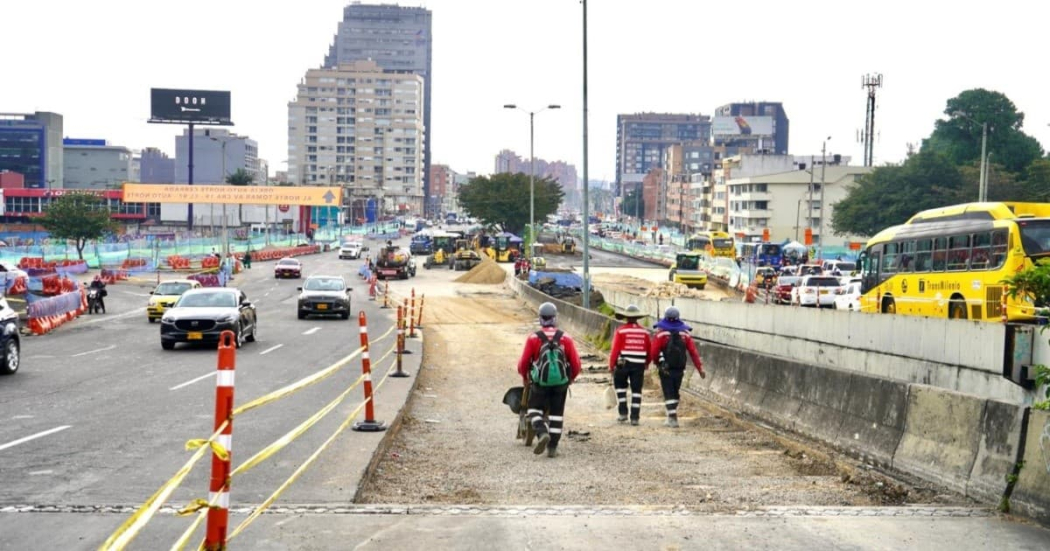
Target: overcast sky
[[95, 62]]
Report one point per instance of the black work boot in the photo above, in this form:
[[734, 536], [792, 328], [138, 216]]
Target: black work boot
[[541, 443], [552, 451]]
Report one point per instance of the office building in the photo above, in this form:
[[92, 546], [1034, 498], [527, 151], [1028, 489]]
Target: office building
[[760, 126], [362, 128], [31, 145], [155, 167], [94, 164], [398, 39], [241, 153]]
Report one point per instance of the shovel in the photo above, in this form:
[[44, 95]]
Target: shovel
[[513, 398]]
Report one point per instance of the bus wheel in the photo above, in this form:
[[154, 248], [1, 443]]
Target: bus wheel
[[957, 310], [889, 306]]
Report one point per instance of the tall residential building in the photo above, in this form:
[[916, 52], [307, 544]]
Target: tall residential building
[[440, 186], [761, 126], [398, 39], [31, 145], [94, 164], [362, 128], [642, 140], [155, 167], [565, 173]]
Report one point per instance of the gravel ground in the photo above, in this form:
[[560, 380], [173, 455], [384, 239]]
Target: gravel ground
[[457, 444]]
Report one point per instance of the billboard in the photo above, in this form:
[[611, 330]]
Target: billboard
[[234, 195], [742, 126], [190, 106]]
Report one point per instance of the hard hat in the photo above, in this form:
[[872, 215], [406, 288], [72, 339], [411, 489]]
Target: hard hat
[[671, 313], [548, 310]]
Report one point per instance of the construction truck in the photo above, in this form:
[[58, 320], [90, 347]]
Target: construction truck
[[392, 263], [465, 257], [444, 246], [505, 247]]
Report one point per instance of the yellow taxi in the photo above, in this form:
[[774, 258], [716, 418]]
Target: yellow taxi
[[166, 293]]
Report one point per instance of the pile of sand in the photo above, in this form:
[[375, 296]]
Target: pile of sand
[[488, 273]]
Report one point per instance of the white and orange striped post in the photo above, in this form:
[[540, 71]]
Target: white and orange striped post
[[386, 294], [402, 326], [400, 343], [419, 318], [369, 424], [372, 283], [218, 514], [1002, 301], [412, 316]]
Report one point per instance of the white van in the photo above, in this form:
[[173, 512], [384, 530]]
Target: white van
[[845, 267]]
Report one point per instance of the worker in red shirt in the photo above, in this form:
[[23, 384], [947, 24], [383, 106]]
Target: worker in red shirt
[[630, 356], [548, 378], [671, 346]]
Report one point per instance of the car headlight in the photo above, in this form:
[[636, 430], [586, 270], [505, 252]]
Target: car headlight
[[153, 302], [167, 321], [232, 318]]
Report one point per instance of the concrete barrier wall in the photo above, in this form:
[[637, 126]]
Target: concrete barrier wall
[[1031, 495], [966, 442], [961, 356]]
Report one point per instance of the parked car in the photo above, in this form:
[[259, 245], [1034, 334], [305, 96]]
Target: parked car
[[165, 295], [201, 315], [351, 250], [848, 297], [783, 290], [816, 290], [10, 341], [288, 267], [10, 271], [324, 295]]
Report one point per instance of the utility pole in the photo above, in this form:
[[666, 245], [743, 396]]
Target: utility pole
[[586, 215], [820, 228], [982, 190], [809, 217]]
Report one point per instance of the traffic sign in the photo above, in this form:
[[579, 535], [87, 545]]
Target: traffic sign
[[283, 208]]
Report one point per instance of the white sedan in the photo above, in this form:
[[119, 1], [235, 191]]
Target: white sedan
[[848, 297], [816, 290]]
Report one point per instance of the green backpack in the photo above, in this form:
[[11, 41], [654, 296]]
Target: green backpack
[[552, 367]]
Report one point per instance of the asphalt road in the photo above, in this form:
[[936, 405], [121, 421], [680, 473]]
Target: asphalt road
[[98, 414]]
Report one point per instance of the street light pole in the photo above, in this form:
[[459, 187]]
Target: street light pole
[[982, 190], [532, 172], [586, 213], [225, 234], [820, 228]]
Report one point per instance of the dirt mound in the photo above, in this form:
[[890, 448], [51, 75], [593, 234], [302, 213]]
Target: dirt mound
[[488, 273], [670, 289]]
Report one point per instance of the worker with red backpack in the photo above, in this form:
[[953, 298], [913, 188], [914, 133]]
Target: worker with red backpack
[[548, 365], [671, 347]]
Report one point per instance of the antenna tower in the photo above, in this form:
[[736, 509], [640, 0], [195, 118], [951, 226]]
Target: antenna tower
[[871, 83]]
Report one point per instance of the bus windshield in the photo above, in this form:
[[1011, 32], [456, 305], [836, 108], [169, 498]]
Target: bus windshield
[[723, 243], [771, 249], [1035, 236]]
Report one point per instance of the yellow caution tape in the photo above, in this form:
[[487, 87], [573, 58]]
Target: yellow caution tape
[[216, 447], [291, 435], [131, 527], [302, 468], [193, 507]]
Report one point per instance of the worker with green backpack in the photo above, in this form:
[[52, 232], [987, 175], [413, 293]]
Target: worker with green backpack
[[549, 364]]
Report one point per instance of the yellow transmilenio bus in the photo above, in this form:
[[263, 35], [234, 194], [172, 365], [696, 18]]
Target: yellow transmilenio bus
[[951, 261], [714, 243]]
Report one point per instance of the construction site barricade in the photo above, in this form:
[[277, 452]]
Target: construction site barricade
[[206, 280], [66, 267], [47, 313]]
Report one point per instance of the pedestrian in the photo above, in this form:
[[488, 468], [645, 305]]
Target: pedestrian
[[224, 271], [248, 259], [629, 358], [543, 368], [661, 239], [670, 347]]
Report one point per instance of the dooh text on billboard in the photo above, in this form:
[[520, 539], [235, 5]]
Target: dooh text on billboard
[[190, 106]]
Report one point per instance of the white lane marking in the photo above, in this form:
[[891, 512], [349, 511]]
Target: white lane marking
[[38, 473], [271, 349], [110, 347], [188, 383], [33, 437], [104, 318], [22, 417], [311, 331]]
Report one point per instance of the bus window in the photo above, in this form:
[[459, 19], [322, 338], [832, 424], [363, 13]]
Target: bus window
[[982, 246], [999, 248], [923, 255], [958, 252], [890, 257], [940, 254], [907, 262], [869, 268]]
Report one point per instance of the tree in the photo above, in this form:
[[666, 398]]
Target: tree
[[240, 178], [78, 216], [891, 194], [503, 199], [634, 204], [959, 137]]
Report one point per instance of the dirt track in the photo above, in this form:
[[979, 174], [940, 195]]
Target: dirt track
[[457, 444]]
